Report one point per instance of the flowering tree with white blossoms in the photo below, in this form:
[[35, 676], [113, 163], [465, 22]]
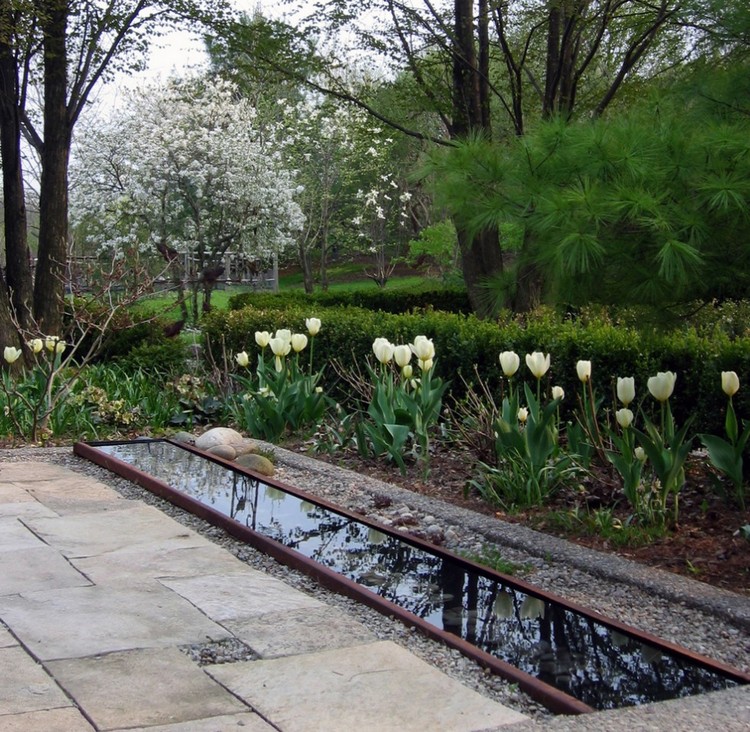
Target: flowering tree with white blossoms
[[186, 170]]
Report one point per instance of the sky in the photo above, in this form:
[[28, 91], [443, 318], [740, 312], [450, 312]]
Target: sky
[[176, 54]]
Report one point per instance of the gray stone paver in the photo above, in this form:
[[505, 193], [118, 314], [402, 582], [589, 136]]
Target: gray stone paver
[[72, 494], [68, 719], [292, 632], [6, 639], [14, 536], [78, 622], [156, 560], [105, 590], [25, 686], [240, 596], [90, 534], [38, 568], [379, 687], [143, 687], [225, 723]]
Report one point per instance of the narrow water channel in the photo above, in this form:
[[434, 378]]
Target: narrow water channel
[[598, 665]]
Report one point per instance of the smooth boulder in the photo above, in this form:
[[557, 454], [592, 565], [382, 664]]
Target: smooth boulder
[[219, 436], [257, 463]]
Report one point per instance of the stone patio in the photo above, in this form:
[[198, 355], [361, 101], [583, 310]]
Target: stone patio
[[99, 594]]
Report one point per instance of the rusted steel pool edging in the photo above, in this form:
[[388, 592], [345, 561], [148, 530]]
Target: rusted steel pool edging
[[551, 697]]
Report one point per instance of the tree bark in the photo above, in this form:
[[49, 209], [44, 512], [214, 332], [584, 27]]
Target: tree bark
[[49, 288], [481, 254], [17, 259]]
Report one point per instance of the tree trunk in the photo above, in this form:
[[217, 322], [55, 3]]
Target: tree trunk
[[18, 265], [481, 255], [306, 264], [49, 287]]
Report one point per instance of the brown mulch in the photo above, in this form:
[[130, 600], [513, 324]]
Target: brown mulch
[[706, 545]]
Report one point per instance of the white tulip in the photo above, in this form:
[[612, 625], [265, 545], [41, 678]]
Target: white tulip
[[402, 355], [538, 363], [12, 354], [36, 345], [299, 342], [583, 368], [242, 358], [626, 389], [730, 383], [509, 362], [558, 393], [262, 338], [423, 348], [313, 326], [661, 386], [523, 415], [624, 417], [383, 350]]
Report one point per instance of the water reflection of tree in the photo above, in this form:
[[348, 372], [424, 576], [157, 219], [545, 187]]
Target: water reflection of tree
[[602, 668]]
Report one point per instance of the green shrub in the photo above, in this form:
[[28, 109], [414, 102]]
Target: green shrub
[[448, 299], [462, 341]]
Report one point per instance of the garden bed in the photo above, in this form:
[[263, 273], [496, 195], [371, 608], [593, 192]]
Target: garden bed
[[707, 545]]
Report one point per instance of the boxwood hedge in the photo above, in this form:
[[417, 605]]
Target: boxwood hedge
[[463, 342]]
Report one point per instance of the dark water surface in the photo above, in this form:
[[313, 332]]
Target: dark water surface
[[600, 666]]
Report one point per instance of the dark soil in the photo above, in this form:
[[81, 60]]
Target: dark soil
[[707, 545]]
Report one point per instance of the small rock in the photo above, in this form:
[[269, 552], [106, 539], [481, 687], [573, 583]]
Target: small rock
[[256, 463], [247, 446], [223, 451], [184, 437], [219, 436]]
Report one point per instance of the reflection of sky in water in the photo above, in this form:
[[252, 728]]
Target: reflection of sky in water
[[601, 667]]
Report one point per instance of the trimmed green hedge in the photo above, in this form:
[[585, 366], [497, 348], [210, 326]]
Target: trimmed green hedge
[[449, 299], [461, 341]]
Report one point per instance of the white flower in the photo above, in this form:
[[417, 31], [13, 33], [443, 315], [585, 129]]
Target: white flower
[[383, 350], [661, 386], [313, 326], [12, 354], [584, 370], [242, 358], [624, 417], [299, 342], [626, 389], [538, 363], [402, 355], [509, 362], [262, 338], [523, 415], [558, 393], [423, 348]]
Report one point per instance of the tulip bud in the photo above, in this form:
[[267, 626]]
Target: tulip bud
[[523, 415], [11, 354], [626, 389], [299, 342], [640, 454], [730, 383], [538, 363], [36, 345], [60, 346], [313, 326], [425, 365], [262, 338], [624, 417], [279, 346], [558, 393], [584, 370], [407, 371], [661, 386], [509, 362], [242, 358], [49, 342], [318, 389]]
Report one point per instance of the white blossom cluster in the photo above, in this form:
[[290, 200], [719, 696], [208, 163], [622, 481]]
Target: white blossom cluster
[[186, 165]]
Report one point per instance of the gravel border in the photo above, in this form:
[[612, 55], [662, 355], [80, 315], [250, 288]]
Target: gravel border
[[705, 619]]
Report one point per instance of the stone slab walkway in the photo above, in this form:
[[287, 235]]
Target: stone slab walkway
[[100, 595]]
